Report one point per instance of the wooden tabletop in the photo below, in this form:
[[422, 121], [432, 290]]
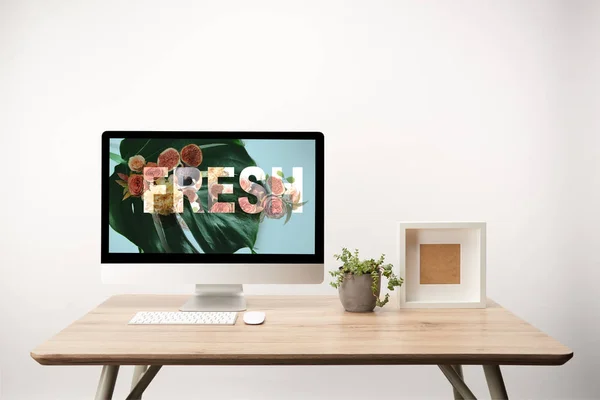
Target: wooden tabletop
[[302, 330]]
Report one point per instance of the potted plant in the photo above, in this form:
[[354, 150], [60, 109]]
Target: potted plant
[[359, 281]]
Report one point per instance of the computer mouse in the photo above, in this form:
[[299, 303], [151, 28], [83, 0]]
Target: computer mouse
[[254, 317]]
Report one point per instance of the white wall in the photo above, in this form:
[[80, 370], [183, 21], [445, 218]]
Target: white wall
[[439, 110], [581, 102]]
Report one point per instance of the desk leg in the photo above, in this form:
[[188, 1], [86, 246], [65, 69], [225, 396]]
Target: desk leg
[[106, 386], [138, 371], [457, 382], [495, 382], [459, 371], [143, 382]]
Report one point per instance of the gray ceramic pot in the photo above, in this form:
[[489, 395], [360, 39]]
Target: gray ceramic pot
[[356, 294]]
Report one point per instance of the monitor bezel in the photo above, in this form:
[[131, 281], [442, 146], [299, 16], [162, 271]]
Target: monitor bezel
[[203, 258]]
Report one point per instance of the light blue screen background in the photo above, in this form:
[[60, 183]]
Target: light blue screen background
[[295, 237]]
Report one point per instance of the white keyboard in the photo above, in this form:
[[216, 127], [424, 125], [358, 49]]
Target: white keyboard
[[183, 318]]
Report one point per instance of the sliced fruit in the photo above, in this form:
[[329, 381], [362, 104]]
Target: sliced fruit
[[169, 159], [191, 155], [276, 185]]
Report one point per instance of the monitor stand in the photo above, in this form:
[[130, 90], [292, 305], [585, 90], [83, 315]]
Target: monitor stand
[[216, 298]]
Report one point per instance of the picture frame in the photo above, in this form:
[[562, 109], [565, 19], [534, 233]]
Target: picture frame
[[443, 264]]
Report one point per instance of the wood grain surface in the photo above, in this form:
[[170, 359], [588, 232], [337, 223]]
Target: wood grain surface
[[302, 330]]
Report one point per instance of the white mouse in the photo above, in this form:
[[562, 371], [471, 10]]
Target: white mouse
[[254, 317]]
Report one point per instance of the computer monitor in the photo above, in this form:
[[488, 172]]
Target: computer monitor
[[215, 209]]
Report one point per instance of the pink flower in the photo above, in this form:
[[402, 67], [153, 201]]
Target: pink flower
[[245, 184], [249, 208], [136, 163], [223, 208], [191, 194], [135, 183], [153, 173], [214, 190], [254, 189], [274, 207]]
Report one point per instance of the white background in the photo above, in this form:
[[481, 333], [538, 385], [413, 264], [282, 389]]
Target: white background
[[436, 110]]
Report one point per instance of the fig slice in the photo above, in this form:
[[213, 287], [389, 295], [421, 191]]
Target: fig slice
[[191, 155], [169, 158], [276, 185]]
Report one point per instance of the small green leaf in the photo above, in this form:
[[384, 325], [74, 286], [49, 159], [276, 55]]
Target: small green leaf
[[117, 158], [288, 207], [291, 179], [280, 173], [353, 265]]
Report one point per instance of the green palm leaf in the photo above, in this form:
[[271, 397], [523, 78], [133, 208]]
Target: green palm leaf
[[214, 233]]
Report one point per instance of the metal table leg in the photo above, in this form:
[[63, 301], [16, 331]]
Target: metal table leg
[[138, 371], [459, 371], [457, 382], [143, 382], [495, 382], [106, 385]]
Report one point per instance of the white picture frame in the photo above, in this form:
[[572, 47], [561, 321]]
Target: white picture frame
[[470, 292]]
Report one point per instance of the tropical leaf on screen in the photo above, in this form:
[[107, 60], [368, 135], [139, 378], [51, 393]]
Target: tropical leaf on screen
[[187, 232]]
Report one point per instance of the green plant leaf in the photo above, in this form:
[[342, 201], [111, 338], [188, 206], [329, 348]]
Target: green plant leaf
[[288, 208], [280, 173], [117, 158], [124, 216], [224, 233], [291, 179], [353, 265], [221, 233], [171, 235], [214, 233]]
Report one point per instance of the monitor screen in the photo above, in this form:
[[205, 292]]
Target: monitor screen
[[231, 196]]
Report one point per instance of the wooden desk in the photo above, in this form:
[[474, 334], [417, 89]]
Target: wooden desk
[[302, 330]]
